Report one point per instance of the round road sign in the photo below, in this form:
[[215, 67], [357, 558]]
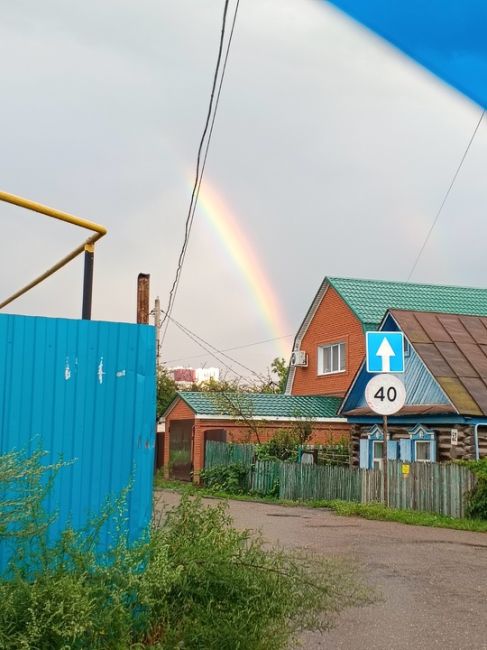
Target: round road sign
[[385, 394]]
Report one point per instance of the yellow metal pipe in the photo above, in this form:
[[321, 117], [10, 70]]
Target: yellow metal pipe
[[99, 232], [52, 212]]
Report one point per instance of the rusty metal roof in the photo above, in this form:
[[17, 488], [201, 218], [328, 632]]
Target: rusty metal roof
[[454, 349], [408, 409]]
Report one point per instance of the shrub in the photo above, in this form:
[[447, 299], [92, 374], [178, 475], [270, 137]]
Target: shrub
[[230, 478], [477, 497], [284, 446], [194, 583]]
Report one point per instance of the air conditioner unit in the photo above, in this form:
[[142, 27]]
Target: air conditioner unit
[[299, 358]]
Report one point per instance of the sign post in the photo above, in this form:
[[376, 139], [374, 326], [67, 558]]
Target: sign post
[[385, 394]]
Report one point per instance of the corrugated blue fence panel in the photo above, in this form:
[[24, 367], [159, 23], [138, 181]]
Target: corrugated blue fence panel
[[86, 391]]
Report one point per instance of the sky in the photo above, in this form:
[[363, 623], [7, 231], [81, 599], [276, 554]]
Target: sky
[[330, 156]]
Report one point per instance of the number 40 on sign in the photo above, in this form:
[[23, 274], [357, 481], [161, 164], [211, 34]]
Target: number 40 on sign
[[385, 394]]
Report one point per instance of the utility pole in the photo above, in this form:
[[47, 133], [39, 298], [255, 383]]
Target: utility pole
[[157, 323]]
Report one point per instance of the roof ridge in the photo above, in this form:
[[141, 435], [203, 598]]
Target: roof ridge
[[405, 283], [435, 313]]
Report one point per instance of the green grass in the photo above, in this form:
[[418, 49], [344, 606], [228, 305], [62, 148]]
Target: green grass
[[374, 511], [380, 512]]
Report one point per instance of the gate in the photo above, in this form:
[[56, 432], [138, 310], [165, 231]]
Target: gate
[[180, 435]]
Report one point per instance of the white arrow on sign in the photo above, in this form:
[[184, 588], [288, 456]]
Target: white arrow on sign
[[386, 352]]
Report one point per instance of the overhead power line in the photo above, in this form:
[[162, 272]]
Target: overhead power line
[[445, 198], [235, 347], [200, 166], [213, 351]]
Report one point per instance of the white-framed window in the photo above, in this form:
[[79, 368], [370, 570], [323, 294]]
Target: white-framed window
[[331, 358], [423, 451], [377, 454]]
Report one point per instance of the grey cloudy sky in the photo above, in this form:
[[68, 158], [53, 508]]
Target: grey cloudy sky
[[332, 150]]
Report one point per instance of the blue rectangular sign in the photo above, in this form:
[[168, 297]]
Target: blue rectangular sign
[[385, 351]]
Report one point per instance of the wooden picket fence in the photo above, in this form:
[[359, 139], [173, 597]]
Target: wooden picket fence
[[429, 487], [223, 453], [313, 482]]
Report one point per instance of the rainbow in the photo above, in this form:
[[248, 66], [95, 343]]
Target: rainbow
[[243, 254]]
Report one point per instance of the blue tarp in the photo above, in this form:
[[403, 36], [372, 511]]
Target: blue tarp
[[449, 37]]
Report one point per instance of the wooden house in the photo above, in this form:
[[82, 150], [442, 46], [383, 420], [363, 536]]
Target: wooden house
[[445, 414]]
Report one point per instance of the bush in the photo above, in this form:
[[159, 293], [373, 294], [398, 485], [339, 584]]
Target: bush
[[194, 583], [230, 478], [283, 446], [477, 497]]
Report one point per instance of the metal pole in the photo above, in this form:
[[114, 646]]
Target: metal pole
[[384, 463], [88, 281]]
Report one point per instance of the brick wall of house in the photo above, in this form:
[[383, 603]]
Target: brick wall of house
[[323, 433], [334, 322]]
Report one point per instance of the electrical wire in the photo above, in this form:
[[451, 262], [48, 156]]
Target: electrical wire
[[236, 347], [212, 354], [211, 115], [445, 198], [205, 345]]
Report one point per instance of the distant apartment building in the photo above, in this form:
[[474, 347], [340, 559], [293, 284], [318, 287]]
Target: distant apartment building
[[185, 377]]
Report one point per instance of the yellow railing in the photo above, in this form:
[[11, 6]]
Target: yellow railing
[[87, 246]]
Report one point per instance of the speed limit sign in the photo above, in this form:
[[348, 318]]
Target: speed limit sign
[[385, 394]]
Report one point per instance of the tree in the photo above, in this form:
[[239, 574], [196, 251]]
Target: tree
[[166, 390], [280, 368]]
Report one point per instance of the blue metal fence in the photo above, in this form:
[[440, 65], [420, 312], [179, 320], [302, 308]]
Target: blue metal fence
[[83, 390]]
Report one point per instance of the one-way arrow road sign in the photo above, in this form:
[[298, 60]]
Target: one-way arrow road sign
[[385, 351]]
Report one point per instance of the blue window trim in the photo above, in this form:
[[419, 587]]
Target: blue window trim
[[418, 433]]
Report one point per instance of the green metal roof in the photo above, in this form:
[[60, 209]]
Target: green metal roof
[[370, 299], [261, 405]]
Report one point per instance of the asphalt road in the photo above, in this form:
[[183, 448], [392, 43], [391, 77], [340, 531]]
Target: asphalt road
[[433, 581]]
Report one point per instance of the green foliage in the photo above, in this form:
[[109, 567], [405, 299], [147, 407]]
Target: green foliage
[[285, 443], [334, 453], [212, 385], [234, 592], [194, 582], [284, 446], [166, 391], [230, 478], [24, 482], [280, 368], [477, 497], [381, 512]]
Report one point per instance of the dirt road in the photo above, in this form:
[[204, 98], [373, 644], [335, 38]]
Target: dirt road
[[433, 581]]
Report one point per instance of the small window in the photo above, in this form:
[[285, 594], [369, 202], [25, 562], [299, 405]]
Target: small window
[[423, 451], [407, 348], [377, 459], [331, 358]]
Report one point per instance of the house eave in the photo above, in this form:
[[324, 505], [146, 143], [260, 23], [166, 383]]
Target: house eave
[[269, 418]]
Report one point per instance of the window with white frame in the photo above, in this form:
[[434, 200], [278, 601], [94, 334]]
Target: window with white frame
[[378, 454], [331, 358]]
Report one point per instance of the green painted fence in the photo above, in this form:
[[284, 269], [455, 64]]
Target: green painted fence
[[223, 453], [265, 478], [429, 487]]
